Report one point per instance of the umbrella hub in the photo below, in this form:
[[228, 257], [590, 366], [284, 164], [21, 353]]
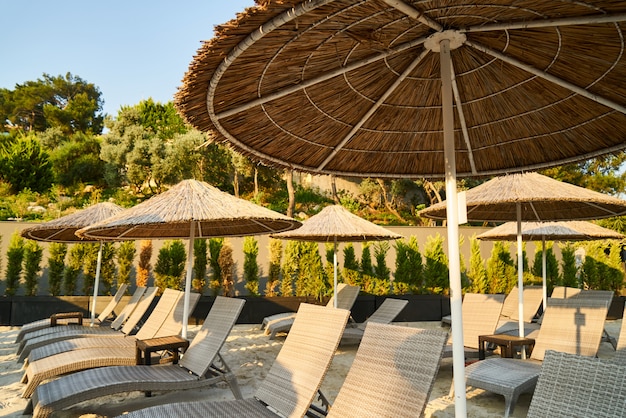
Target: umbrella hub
[[455, 37]]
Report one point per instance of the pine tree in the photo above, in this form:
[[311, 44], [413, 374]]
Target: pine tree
[[477, 272], [274, 271], [250, 265]]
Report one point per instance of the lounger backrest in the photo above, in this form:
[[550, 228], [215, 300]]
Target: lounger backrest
[[346, 296], [296, 375], [127, 311], [533, 296], [386, 312], [481, 313], [577, 386], [564, 292], [392, 374], [621, 340], [166, 303], [139, 311], [604, 295], [173, 323], [108, 310], [208, 341], [572, 326]]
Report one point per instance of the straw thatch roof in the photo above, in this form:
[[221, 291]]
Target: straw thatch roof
[[171, 214], [541, 198], [552, 231], [353, 87], [336, 223], [64, 229]]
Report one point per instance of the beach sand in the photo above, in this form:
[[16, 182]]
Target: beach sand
[[249, 353]]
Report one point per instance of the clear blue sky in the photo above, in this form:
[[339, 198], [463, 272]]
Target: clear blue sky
[[130, 49]]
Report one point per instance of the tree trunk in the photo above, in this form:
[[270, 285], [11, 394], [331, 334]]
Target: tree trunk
[[291, 192]]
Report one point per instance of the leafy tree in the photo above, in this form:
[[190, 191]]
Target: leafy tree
[[56, 267], [477, 273], [552, 265], [569, 271], [250, 265], [227, 269], [199, 265], [15, 255], [409, 267], [436, 275], [215, 247], [143, 266], [291, 268], [501, 273], [312, 280], [125, 257], [274, 271], [89, 257], [33, 254], [78, 160], [351, 268], [170, 265], [72, 269], [108, 271], [25, 165], [67, 102]]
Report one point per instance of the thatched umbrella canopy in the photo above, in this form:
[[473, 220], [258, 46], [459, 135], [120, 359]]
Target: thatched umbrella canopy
[[64, 229], [407, 88], [531, 197], [554, 231], [191, 209], [337, 224]]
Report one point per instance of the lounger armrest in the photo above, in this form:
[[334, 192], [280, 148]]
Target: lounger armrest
[[66, 315]]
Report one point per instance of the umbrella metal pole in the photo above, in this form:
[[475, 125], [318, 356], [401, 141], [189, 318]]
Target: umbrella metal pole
[[188, 280], [96, 284], [335, 273], [544, 274], [456, 301], [520, 275]]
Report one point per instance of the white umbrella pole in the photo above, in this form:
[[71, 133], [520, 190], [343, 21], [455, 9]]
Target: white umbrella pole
[[335, 273], [520, 270], [96, 285], [456, 301], [544, 264], [188, 280]]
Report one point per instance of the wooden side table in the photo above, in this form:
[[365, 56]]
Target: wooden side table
[[78, 316], [506, 343], [145, 348]]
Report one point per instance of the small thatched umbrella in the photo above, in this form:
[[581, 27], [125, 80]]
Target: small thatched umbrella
[[531, 197], [337, 224], [411, 89], [554, 231], [64, 229], [191, 209]]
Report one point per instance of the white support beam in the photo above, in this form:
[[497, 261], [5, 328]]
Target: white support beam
[[459, 110]]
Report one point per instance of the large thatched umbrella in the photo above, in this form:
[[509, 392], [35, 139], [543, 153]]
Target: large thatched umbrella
[[337, 224], [64, 229], [554, 231], [531, 197], [371, 88], [191, 209]]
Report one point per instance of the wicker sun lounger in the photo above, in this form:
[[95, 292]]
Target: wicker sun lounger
[[168, 299], [64, 318], [570, 385], [97, 352], [481, 313], [385, 313], [569, 325], [346, 296], [392, 375], [509, 318], [295, 368]]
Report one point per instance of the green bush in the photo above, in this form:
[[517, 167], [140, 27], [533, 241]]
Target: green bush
[[250, 265], [170, 266], [56, 267], [15, 256], [33, 254]]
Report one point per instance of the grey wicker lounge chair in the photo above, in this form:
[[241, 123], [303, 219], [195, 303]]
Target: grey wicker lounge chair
[[569, 325], [97, 352], [293, 367], [385, 313], [509, 318], [65, 318], [570, 385], [168, 299], [392, 376], [346, 296], [481, 313]]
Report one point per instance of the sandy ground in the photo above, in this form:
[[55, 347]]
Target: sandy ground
[[250, 353]]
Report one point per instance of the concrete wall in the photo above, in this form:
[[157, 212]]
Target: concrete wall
[[421, 233]]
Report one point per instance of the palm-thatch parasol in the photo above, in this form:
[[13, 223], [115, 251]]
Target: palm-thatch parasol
[[337, 224], [555, 231], [371, 88], [191, 209], [531, 197], [64, 229]]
